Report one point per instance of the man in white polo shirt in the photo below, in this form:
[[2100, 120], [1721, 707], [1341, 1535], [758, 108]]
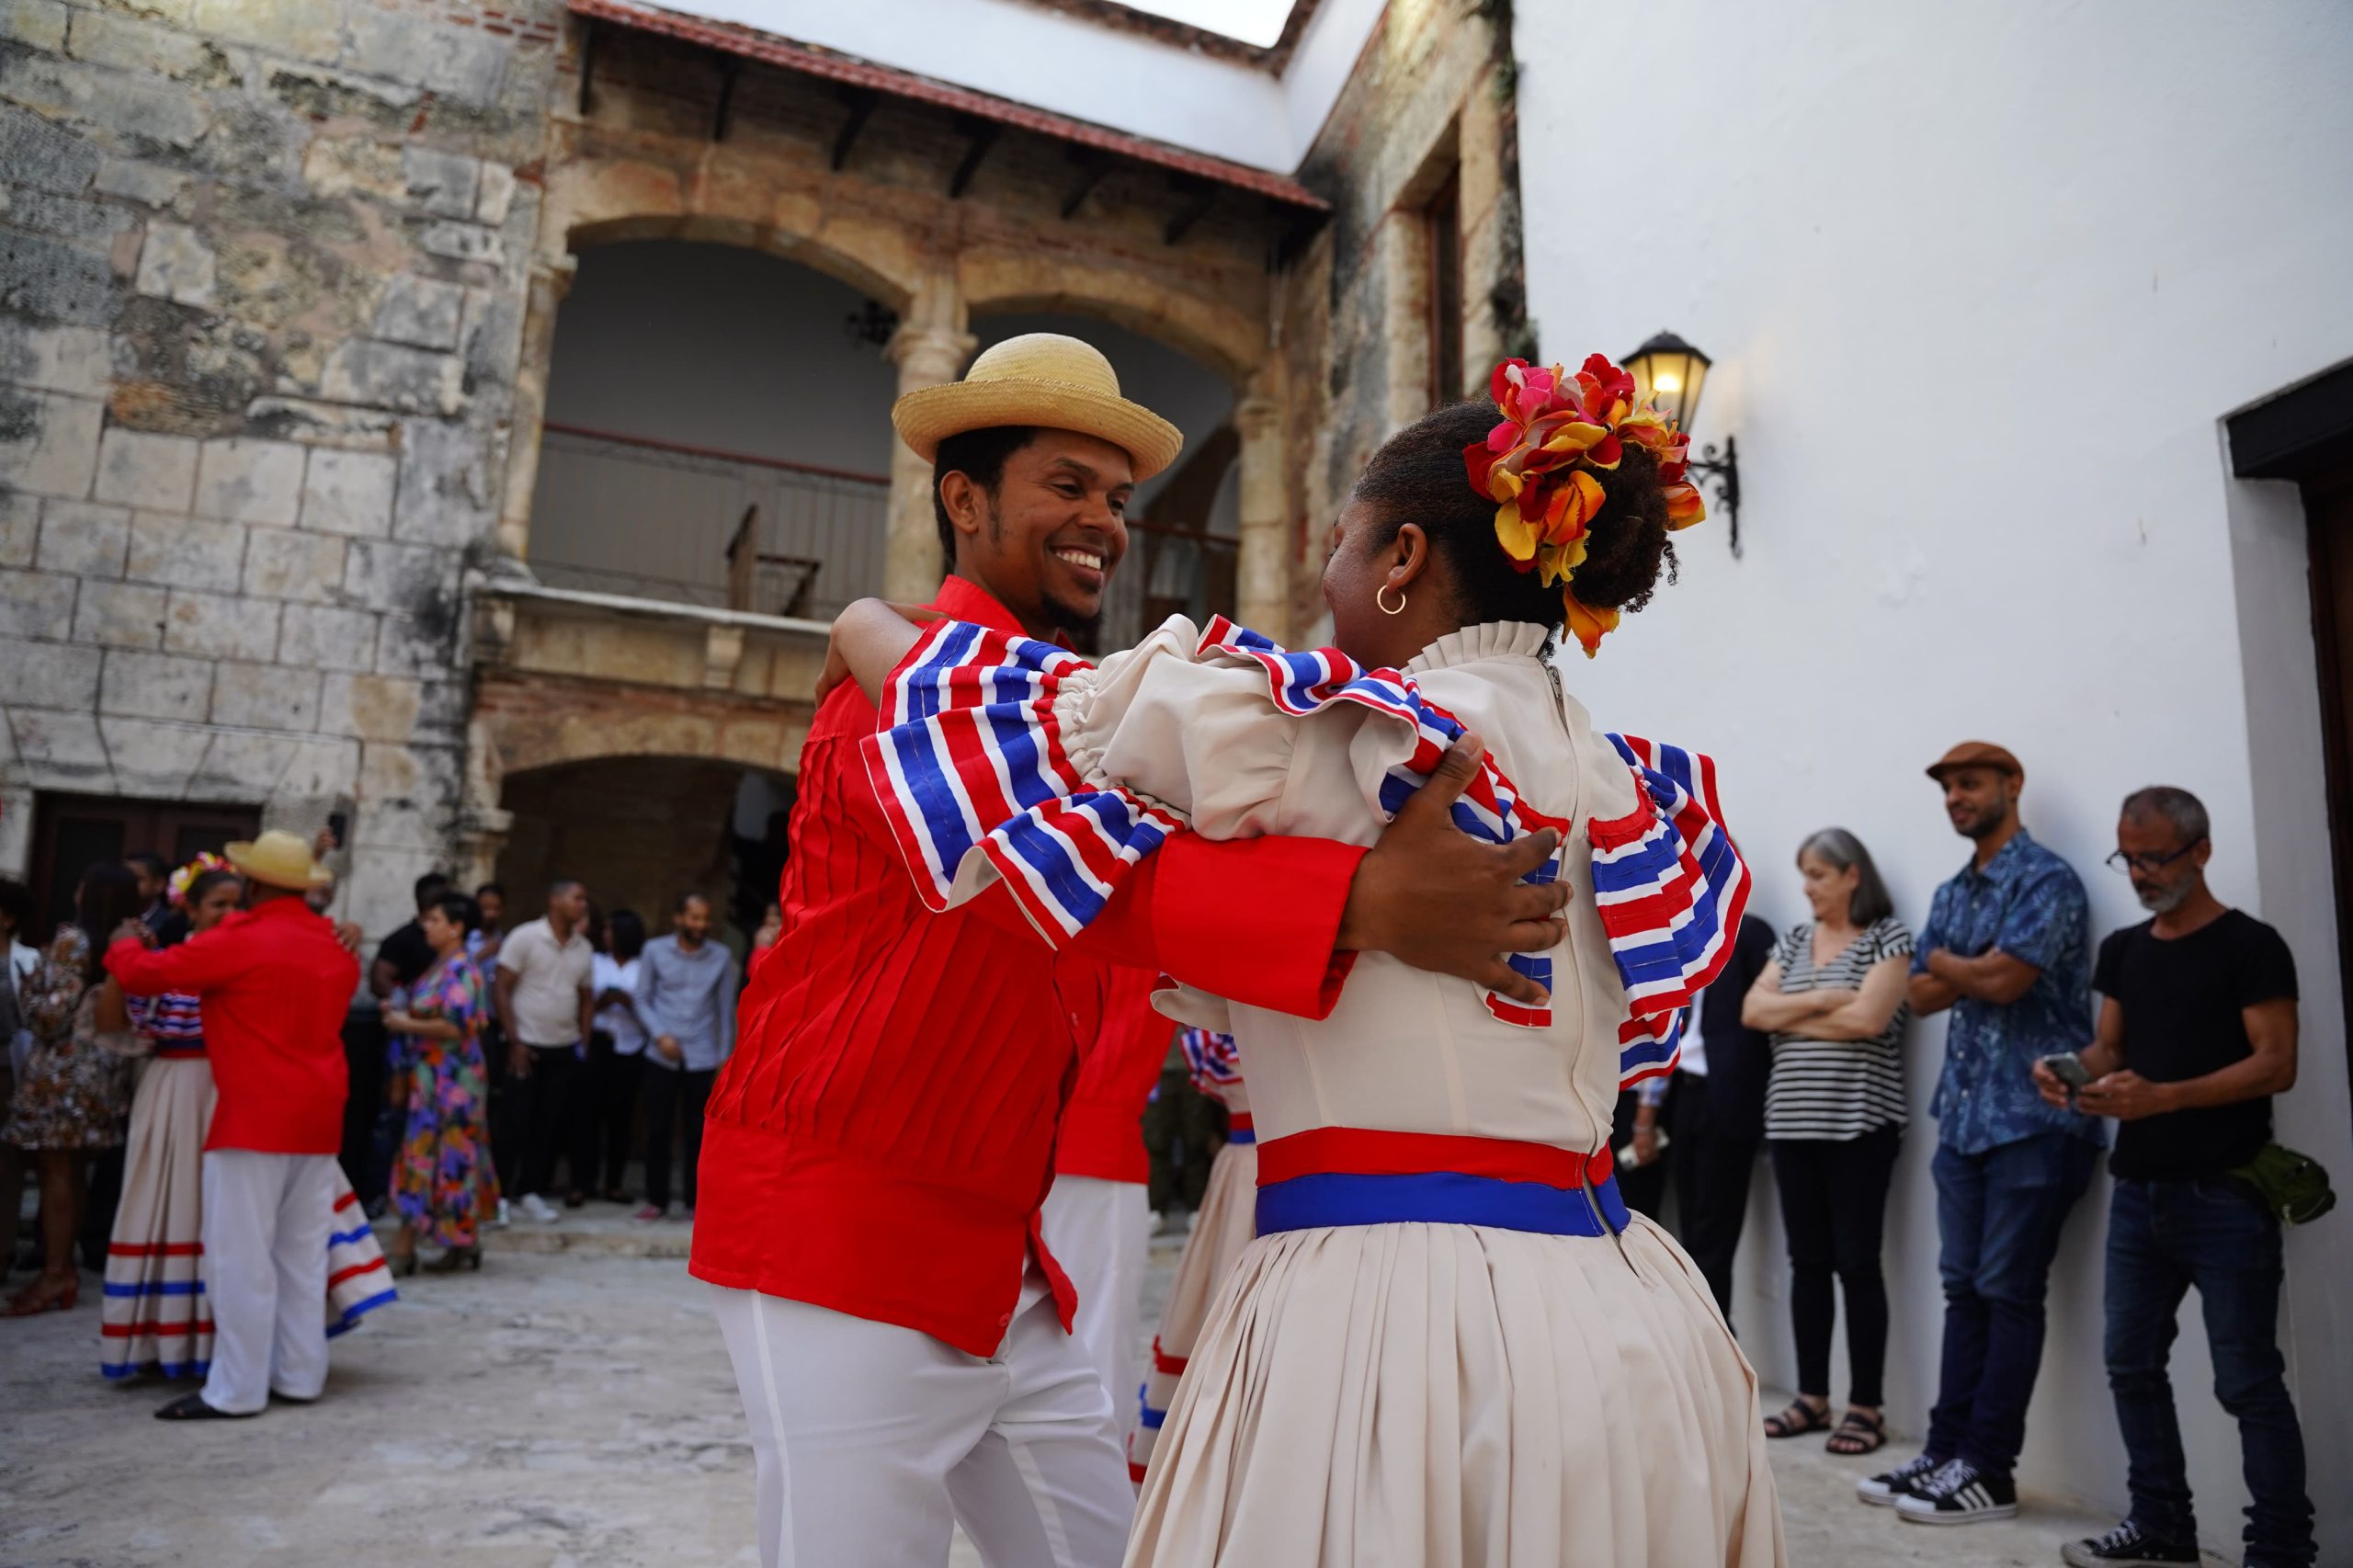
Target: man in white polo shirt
[[547, 1003]]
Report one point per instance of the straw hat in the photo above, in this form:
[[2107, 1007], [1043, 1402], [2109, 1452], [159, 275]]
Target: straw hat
[[1040, 378], [280, 860]]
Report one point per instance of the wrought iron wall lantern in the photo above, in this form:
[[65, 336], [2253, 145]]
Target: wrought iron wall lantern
[[1671, 372]]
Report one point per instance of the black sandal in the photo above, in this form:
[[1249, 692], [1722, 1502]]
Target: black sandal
[[1798, 1420], [191, 1407], [1858, 1434]]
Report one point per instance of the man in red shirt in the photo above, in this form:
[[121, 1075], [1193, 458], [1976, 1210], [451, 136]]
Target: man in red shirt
[[275, 981], [1097, 1218], [879, 1146]]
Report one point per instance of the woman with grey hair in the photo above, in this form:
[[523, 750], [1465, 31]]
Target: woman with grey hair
[[1834, 1000]]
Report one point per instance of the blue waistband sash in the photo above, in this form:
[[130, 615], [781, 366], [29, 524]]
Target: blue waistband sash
[[1444, 1198]]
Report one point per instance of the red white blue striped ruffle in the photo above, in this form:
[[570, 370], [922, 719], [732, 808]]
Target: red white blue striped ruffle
[[970, 762], [1670, 888], [1212, 1060], [174, 1020]]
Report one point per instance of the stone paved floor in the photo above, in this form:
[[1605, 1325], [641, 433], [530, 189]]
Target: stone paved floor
[[562, 1409]]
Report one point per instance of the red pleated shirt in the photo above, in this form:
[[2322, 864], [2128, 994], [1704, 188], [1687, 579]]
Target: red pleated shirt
[[1102, 1129], [880, 1140], [274, 984]]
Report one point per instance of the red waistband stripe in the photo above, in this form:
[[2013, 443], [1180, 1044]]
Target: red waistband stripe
[[1358, 1151]]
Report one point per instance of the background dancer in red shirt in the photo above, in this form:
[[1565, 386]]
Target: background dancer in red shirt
[[1098, 1216], [272, 983], [878, 1146]]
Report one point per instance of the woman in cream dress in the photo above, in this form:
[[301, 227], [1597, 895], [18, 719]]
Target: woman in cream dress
[[1224, 1227], [1450, 1344]]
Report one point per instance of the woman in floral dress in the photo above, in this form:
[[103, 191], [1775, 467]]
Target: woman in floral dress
[[443, 1183], [74, 1090]]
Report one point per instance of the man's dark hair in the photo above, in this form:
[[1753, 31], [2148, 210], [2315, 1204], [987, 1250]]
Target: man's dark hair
[[429, 887], [1418, 477], [626, 928], [561, 884], [107, 896], [2185, 812], [979, 455], [490, 890], [148, 861], [1868, 904], [692, 896], [457, 908], [17, 904]]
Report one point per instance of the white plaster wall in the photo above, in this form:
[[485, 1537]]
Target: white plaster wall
[[1980, 282], [1071, 66]]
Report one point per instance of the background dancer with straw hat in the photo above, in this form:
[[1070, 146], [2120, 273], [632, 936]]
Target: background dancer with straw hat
[[272, 983]]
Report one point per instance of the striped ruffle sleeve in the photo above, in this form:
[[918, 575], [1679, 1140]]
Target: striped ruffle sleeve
[[1670, 887]]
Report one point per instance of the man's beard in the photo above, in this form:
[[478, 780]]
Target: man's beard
[[2163, 900], [1083, 628], [1987, 825]]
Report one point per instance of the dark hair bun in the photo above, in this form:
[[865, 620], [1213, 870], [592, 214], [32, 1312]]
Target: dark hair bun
[[1418, 477]]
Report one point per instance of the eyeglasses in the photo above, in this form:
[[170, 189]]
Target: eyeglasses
[[2147, 865]]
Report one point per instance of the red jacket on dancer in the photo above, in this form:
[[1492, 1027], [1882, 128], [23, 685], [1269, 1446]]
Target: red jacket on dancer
[[276, 984], [881, 1140], [1102, 1127]]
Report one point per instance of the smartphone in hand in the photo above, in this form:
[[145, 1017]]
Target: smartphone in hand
[[2069, 1069]]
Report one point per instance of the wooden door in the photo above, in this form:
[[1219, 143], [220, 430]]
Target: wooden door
[[72, 833], [2328, 506]]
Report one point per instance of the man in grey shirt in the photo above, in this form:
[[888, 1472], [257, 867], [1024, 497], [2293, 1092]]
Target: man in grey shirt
[[686, 994]]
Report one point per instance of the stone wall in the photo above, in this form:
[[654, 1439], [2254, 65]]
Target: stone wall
[[261, 283], [1431, 94]]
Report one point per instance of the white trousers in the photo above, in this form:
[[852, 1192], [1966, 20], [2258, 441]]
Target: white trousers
[[870, 1440], [1100, 1231], [267, 1218]]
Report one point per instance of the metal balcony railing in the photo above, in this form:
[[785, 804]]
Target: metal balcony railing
[[661, 520]]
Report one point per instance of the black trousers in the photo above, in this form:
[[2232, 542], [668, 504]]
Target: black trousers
[[1182, 1131], [1643, 1187], [605, 1117], [546, 1109], [673, 1091], [1834, 1203], [1712, 1170]]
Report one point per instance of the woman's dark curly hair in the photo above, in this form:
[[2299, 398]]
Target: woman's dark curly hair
[[1418, 476]]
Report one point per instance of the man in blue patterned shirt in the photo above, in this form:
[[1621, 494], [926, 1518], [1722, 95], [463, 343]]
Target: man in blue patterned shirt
[[2008, 951]]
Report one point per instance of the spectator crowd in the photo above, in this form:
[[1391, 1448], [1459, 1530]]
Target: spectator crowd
[[505, 1072], [1799, 1050]]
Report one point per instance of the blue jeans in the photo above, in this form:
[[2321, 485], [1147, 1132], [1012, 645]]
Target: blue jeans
[[2164, 1237], [1998, 1218]]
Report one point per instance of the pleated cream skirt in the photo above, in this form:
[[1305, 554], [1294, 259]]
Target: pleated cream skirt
[[1455, 1396], [1225, 1226]]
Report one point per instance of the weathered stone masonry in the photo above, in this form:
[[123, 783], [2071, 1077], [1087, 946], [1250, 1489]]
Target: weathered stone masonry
[[261, 283]]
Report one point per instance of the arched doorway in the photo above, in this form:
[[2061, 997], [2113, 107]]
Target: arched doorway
[[717, 432], [643, 831]]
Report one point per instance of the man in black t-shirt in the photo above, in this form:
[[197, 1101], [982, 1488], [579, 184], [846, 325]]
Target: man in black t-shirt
[[405, 955], [2197, 1032]]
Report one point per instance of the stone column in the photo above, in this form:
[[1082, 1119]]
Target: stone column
[[929, 349], [1262, 574], [551, 280]]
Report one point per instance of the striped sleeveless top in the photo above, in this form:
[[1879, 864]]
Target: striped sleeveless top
[[1838, 1089]]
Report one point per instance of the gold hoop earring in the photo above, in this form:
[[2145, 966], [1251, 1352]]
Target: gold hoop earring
[[1384, 603]]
